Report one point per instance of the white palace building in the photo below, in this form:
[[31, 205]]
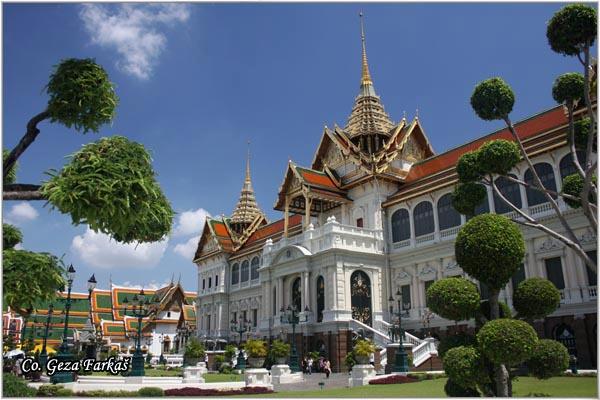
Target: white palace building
[[370, 218]]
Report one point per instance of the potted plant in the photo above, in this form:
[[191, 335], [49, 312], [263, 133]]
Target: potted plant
[[280, 351], [230, 352], [362, 350], [257, 351], [194, 352]]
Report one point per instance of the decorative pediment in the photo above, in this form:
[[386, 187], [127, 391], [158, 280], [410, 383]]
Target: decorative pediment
[[452, 268], [427, 272], [401, 277], [549, 245], [234, 306], [588, 236]]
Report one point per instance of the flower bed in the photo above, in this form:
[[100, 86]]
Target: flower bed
[[392, 379], [191, 391]]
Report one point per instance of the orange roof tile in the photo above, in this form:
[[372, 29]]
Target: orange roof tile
[[314, 178], [273, 228]]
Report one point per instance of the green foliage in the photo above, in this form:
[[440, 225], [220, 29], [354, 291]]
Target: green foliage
[[464, 365], [452, 341], [107, 393], [279, 349], [148, 357], [230, 351], [11, 176], [573, 185], [256, 348], [507, 341], [49, 390], [568, 88], [498, 156], [452, 389], [492, 99], [490, 248], [571, 28], [194, 348], [484, 309], [151, 392], [582, 129], [453, 298], [467, 196], [350, 360], [15, 387], [30, 278], [81, 95], [363, 347], [467, 167], [536, 298], [219, 358], [110, 185], [550, 358], [11, 235]]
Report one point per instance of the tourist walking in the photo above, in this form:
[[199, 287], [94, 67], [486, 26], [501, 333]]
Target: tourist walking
[[327, 368]]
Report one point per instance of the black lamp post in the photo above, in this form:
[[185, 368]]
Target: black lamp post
[[140, 309], [240, 327], [401, 359], [290, 315], [44, 353], [63, 352], [161, 340], [91, 347]]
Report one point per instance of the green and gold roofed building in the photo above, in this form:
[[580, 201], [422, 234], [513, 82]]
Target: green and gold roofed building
[[100, 317]]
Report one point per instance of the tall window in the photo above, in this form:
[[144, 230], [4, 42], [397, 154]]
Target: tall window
[[254, 317], [217, 280], [359, 223], [360, 297], [203, 284], [297, 294], [546, 174], [555, 272], [567, 167], [254, 268], [208, 323], [405, 290], [423, 217], [427, 285], [274, 301], [235, 274], [245, 271], [320, 298], [448, 217], [234, 316], [209, 282], [518, 277], [400, 225], [511, 191], [592, 277]]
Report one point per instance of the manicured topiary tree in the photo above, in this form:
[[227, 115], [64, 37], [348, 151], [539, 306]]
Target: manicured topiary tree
[[453, 389], [507, 341], [467, 196], [455, 340], [453, 298], [535, 298], [571, 32], [549, 358], [464, 366]]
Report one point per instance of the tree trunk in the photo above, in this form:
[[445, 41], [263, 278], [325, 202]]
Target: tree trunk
[[501, 381], [26, 140], [494, 306]]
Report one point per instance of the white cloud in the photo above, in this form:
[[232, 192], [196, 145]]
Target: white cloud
[[187, 249], [132, 30], [153, 285], [190, 222], [98, 250], [21, 212]]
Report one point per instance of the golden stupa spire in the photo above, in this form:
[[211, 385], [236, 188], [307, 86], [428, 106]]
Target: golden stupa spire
[[366, 76], [246, 209], [248, 164]]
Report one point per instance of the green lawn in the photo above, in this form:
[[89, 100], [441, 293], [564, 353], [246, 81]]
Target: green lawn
[[555, 387], [212, 378]]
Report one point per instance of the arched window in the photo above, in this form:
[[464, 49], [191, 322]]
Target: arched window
[[511, 191], [566, 164], [565, 334], [235, 274], [254, 268], [546, 174], [423, 217], [447, 215], [297, 294], [245, 271], [360, 297], [320, 298], [400, 226]]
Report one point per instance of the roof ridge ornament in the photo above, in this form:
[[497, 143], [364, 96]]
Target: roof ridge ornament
[[366, 76]]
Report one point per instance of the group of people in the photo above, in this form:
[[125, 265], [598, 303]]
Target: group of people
[[320, 365]]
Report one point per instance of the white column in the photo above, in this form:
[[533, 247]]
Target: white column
[[412, 227], [436, 222], [279, 293], [305, 291]]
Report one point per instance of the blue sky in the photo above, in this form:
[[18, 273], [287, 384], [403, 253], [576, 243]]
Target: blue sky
[[197, 81]]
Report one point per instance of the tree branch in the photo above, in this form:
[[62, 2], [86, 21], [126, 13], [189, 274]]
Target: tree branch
[[25, 142], [22, 191]]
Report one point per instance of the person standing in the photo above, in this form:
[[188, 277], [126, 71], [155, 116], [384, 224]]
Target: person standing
[[327, 368], [310, 365]]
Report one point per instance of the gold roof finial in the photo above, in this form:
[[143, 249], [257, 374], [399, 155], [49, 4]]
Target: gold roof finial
[[366, 76], [248, 163]]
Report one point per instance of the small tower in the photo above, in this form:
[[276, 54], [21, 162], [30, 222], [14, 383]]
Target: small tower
[[368, 125], [247, 209]]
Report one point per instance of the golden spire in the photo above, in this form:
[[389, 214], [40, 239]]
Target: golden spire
[[246, 209], [248, 164], [366, 76]]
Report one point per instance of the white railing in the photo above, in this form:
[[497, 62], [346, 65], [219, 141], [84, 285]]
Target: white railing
[[540, 209], [399, 245], [379, 338], [425, 238], [450, 232], [415, 341], [424, 351], [592, 292]]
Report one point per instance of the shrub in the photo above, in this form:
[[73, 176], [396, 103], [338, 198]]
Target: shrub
[[467, 196], [64, 392], [194, 349], [550, 358], [454, 390], [225, 369], [230, 351], [15, 387], [490, 248], [363, 348], [453, 298], [392, 379], [151, 392], [536, 298], [11, 176], [350, 360], [255, 348], [48, 390], [107, 393], [568, 88], [582, 129], [467, 167], [492, 99], [484, 309], [573, 185], [11, 235], [571, 28], [498, 156], [506, 341], [198, 392], [279, 349], [456, 340], [464, 365]]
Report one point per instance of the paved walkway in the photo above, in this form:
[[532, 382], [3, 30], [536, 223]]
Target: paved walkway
[[311, 382]]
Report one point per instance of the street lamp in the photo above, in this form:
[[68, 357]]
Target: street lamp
[[240, 327], [291, 315], [63, 352], [161, 340], [91, 348], [140, 309], [401, 360], [44, 353]]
